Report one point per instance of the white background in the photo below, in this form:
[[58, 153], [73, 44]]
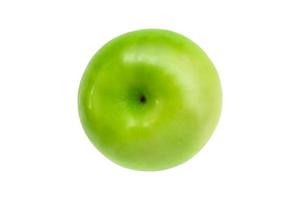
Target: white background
[[45, 47]]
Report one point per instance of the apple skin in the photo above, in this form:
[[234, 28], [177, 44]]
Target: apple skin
[[149, 99]]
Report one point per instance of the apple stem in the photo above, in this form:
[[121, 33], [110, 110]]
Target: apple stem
[[143, 99]]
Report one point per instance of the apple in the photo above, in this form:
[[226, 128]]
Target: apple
[[149, 99]]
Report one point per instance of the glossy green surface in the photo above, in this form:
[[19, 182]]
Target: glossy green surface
[[149, 99]]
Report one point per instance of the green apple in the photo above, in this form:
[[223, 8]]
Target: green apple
[[149, 99]]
